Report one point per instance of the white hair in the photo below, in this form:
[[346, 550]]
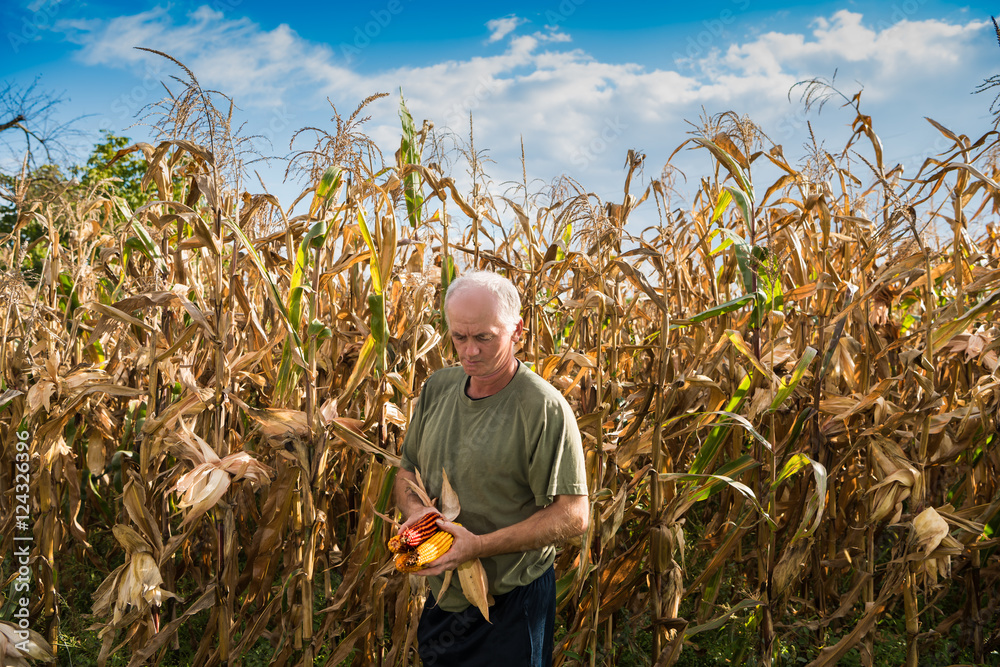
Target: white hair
[[507, 298]]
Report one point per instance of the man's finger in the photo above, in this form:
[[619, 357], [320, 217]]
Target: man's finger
[[447, 526], [414, 518]]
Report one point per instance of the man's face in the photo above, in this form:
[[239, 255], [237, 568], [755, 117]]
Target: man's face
[[484, 344]]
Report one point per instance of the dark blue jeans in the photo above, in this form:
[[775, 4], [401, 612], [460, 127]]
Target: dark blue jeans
[[520, 632]]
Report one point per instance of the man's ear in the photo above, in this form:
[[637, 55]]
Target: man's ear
[[518, 330]]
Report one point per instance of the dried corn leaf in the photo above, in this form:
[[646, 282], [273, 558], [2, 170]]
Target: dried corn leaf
[[450, 507], [929, 529], [17, 644], [472, 576]]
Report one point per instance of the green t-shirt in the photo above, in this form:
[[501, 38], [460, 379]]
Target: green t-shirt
[[507, 455]]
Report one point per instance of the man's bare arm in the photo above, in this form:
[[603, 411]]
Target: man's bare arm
[[566, 517]]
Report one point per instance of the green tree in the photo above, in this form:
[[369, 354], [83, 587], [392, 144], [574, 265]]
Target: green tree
[[50, 187], [123, 178]]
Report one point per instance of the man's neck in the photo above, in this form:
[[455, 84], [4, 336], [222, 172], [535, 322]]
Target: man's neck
[[484, 387]]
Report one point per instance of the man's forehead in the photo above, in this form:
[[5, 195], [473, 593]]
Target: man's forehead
[[473, 302], [474, 322], [466, 322], [473, 293]]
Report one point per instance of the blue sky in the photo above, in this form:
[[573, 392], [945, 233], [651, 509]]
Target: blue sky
[[580, 81]]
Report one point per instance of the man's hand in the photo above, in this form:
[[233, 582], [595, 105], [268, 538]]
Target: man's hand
[[467, 546]]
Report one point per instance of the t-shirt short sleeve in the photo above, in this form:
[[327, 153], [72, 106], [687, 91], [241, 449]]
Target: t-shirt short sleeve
[[557, 466]]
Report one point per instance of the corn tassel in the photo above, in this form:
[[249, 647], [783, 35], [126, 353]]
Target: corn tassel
[[414, 535], [428, 551]]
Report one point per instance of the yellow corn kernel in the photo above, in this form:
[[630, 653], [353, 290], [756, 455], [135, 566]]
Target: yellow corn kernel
[[428, 551]]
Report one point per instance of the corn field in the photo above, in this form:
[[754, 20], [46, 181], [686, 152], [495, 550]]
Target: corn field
[[787, 390]]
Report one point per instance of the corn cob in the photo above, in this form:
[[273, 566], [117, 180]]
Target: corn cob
[[414, 535], [428, 550]]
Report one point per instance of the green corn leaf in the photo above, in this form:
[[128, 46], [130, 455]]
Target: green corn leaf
[[712, 586], [730, 469], [9, 395], [745, 423], [564, 586], [768, 277], [748, 258], [288, 375], [326, 189], [725, 199], [410, 155], [567, 238], [761, 305], [743, 253], [946, 331], [447, 275], [376, 548], [736, 338], [706, 455], [730, 165], [375, 263], [315, 235], [318, 331], [295, 303], [723, 245], [376, 304], [796, 463], [796, 430], [272, 291], [366, 358], [720, 621], [292, 351], [816, 503], [800, 370], [743, 203], [147, 246], [715, 311]]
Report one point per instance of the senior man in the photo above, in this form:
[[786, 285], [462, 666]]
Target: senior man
[[511, 447]]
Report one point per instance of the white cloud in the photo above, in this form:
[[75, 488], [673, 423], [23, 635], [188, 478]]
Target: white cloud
[[500, 28], [553, 36], [844, 38], [576, 113], [236, 56]]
